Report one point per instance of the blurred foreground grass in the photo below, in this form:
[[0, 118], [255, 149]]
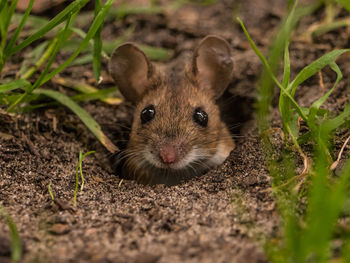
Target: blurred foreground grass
[[311, 226]]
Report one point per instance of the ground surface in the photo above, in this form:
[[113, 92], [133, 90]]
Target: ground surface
[[223, 216]]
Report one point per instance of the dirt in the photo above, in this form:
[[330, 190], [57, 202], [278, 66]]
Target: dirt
[[225, 215]]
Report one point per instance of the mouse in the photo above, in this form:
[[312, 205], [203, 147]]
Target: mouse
[[176, 131]]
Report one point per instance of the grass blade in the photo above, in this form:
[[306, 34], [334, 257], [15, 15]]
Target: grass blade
[[16, 84], [286, 74], [324, 197], [124, 10], [91, 33], [267, 66], [85, 117], [317, 206], [102, 95], [345, 4], [83, 60], [331, 26], [50, 192], [259, 54], [153, 53], [317, 104], [33, 23], [61, 17], [346, 251], [16, 246], [77, 179], [156, 53], [19, 28], [6, 22], [97, 45], [37, 58], [334, 123], [108, 46], [314, 67], [59, 39], [3, 29], [266, 87], [89, 92], [284, 105], [10, 13], [2, 4], [81, 168]]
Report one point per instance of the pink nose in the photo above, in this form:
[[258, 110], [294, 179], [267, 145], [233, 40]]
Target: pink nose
[[168, 154]]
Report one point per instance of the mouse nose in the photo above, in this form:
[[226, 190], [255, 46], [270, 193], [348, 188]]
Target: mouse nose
[[168, 154]]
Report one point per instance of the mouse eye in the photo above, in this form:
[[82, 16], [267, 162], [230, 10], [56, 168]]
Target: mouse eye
[[200, 117], [147, 114]]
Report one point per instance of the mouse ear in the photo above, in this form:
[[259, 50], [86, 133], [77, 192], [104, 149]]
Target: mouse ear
[[212, 64], [131, 71]]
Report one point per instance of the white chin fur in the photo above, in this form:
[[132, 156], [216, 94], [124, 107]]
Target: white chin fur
[[220, 156], [194, 155]]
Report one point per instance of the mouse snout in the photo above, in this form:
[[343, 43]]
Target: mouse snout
[[168, 154]]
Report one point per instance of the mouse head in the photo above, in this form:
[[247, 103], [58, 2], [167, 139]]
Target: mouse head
[[176, 126]]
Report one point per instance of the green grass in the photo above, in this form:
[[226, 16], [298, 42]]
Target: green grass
[[63, 23], [79, 170], [50, 192], [16, 246], [310, 227], [345, 4], [47, 39], [97, 45]]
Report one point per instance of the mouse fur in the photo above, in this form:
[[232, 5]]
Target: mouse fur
[[173, 144]]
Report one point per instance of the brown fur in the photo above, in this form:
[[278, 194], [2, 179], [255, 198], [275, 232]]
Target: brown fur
[[175, 98]]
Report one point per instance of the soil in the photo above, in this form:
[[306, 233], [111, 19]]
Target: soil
[[225, 215]]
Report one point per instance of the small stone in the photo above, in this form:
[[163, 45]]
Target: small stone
[[146, 258], [59, 229]]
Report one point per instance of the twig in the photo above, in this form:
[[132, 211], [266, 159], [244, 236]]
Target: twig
[[335, 164], [321, 82]]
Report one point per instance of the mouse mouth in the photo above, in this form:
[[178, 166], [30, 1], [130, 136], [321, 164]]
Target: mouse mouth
[[167, 161]]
